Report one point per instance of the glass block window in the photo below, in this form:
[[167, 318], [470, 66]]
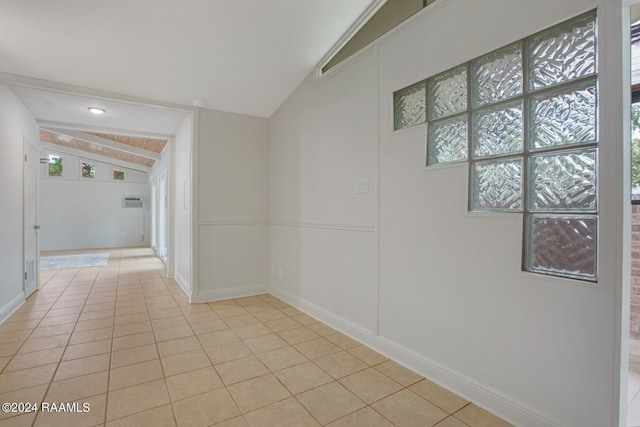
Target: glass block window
[[448, 93], [410, 106], [448, 140], [497, 185], [561, 151], [497, 76], [88, 170], [562, 117], [562, 245], [55, 165], [563, 53], [498, 130], [563, 181], [525, 117]]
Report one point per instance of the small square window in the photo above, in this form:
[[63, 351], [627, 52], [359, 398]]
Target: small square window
[[117, 175], [55, 165], [88, 170]]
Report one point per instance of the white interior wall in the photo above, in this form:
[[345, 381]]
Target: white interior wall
[[16, 123], [323, 240], [406, 268], [182, 216], [86, 213], [232, 231]]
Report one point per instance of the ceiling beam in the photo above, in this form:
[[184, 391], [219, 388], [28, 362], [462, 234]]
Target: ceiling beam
[[50, 124], [106, 143], [97, 157]]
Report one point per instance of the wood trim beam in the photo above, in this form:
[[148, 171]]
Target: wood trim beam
[[105, 143], [50, 125]]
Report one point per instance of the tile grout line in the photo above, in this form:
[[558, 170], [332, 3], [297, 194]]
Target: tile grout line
[[113, 329], [35, 419], [164, 375], [157, 352]]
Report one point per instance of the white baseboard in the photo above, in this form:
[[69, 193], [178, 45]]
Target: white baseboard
[[229, 293], [184, 284], [11, 307], [465, 387]]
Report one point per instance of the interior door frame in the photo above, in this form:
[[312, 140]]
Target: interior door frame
[[163, 216], [25, 256], [154, 216]]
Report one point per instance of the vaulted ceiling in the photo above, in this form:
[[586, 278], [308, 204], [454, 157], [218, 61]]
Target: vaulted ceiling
[[243, 56], [146, 61]]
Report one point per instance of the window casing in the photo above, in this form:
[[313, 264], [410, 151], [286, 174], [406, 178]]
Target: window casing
[[525, 117]]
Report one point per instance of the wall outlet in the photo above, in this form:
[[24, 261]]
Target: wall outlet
[[361, 186]]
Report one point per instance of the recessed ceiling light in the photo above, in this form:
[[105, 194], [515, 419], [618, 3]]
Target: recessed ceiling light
[[96, 110]]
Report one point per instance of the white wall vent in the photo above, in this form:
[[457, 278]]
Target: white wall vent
[[133, 203]]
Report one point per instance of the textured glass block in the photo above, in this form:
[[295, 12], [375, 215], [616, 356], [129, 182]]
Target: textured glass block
[[448, 93], [563, 117], [564, 181], [497, 185], [563, 53], [409, 105], [497, 76], [562, 245], [497, 131], [447, 141]]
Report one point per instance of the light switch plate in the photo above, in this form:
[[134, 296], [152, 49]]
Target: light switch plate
[[361, 186]]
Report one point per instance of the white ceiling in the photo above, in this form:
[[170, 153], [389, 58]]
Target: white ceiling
[[53, 107], [243, 56]]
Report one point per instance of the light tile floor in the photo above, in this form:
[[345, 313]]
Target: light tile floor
[[125, 340]]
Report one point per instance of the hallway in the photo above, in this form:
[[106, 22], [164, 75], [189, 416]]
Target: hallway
[[125, 340]]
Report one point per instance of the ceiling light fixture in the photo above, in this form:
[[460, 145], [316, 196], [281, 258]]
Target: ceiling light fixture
[[96, 110]]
